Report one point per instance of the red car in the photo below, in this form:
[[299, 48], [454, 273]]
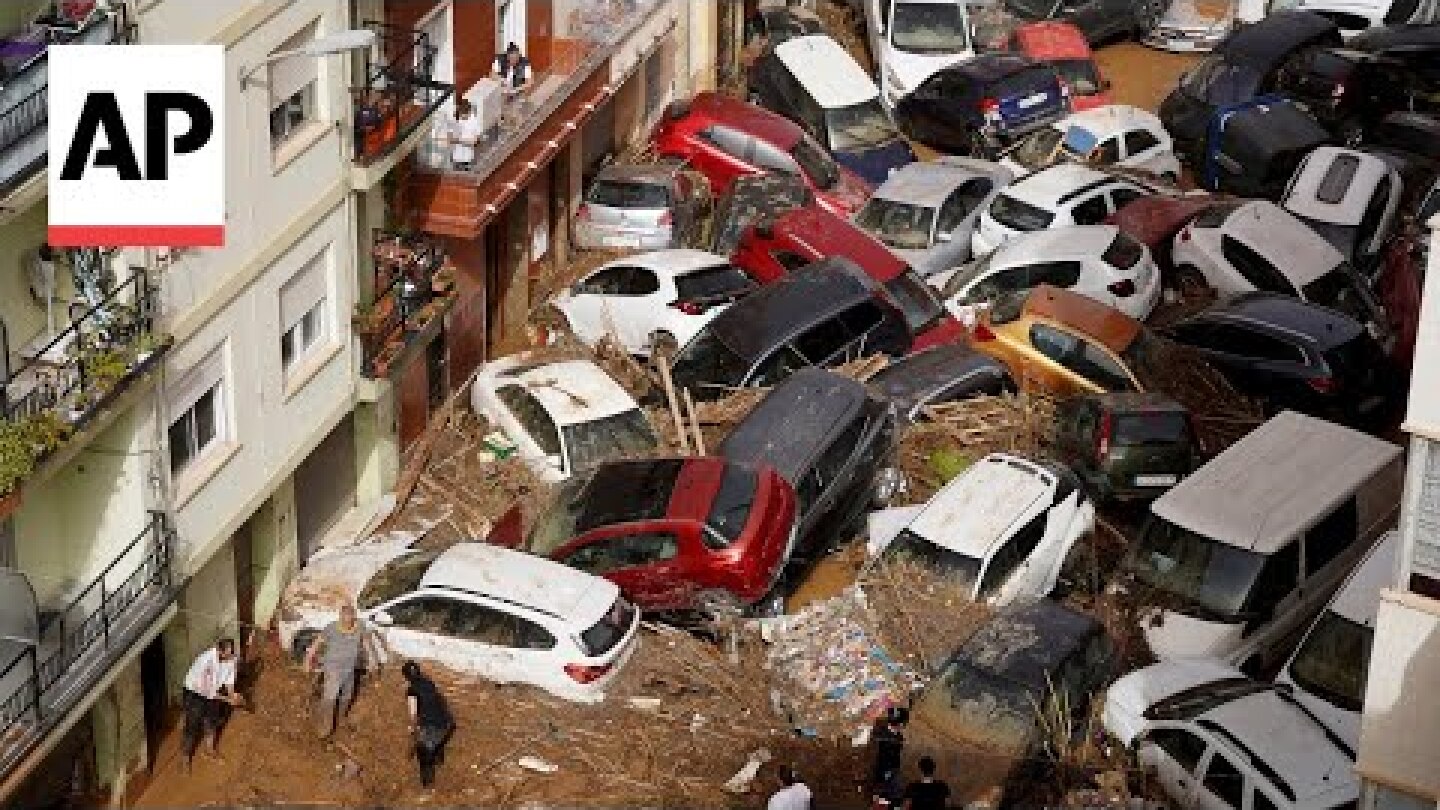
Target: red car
[[674, 534], [724, 138], [1154, 222], [1063, 46], [793, 239]]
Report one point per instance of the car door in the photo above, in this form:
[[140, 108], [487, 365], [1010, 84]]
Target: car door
[[1012, 573], [646, 562], [841, 495], [412, 625], [1173, 756]]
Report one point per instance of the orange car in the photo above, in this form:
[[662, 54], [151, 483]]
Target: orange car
[[1061, 342]]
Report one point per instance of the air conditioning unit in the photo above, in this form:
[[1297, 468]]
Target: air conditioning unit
[[488, 98]]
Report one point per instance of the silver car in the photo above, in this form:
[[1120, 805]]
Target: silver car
[[650, 207], [924, 212]]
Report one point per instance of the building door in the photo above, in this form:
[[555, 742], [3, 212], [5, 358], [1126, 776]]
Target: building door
[[325, 487], [436, 373], [154, 690], [439, 29]]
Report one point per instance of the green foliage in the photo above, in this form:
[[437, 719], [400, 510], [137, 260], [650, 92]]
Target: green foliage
[[24, 441], [105, 367], [948, 463]]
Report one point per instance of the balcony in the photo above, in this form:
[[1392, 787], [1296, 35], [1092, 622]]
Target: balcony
[[25, 74], [51, 659], [525, 131], [414, 287], [396, 102], [66, 379]]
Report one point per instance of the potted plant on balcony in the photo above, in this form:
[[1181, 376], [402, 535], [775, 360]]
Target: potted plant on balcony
[[145, 345], [23, 442]]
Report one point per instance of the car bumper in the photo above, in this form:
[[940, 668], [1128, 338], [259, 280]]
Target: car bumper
[[590, 237]]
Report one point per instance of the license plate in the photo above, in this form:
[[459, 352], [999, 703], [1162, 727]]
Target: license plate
[[618, 241], [1155, 480], [1030, 101]]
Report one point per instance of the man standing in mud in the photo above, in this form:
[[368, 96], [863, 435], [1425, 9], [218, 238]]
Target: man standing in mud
[[209, 687], [889, 740], [346, 644]]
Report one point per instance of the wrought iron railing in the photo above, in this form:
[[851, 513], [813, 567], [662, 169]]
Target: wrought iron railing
[[80, 641], [400, 91], [23, 118], [406, 267]]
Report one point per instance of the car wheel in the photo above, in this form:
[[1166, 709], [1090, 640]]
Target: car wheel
[[663, 344]]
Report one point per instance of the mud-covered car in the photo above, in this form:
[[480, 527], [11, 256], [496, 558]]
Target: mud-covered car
[[980, 717], [752, 197]]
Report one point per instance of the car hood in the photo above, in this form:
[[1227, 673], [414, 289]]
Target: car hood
[[1129, 696], [914, 68], [334, 576]]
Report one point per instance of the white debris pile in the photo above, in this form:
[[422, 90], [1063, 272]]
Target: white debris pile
[[833, 677]]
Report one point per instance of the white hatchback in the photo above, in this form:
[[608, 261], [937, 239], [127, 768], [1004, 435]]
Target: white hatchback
[[561, 416], [1110, 135], [1097, 261], [1003, 528], [504, 615], [1350, 198], [652, 299], [1068, 194]]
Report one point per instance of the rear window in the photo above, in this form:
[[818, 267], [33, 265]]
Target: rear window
[[610, 630], [1026, 82], [1139, 429], [706, 360], [613, 194], [1080, 74], [713, 283], [1355, 358], [1337, 179], [1123, 253], [916, 301], [1019, 216], [1215, 215], [731, 509]]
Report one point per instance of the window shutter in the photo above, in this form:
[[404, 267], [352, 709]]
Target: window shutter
[[189, 385], [1425, 520], [288, 76], [302, 291]]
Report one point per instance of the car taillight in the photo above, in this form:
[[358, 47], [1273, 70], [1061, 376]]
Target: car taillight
[[666, 218], [583, 673], [1102, 436], [1323, 385], [1123, 288], [989, 106], [583, 212], [981, 332], [688, 307]]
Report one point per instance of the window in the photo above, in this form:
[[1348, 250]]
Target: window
[[708, 284], [1224, 781], [1337, 179], [961, 202], [532, 416], [1082, 357], [1091, 212], [303, 317], [1259, 801], [1122, 197], [486, 625], [292, 86], [998, 283], [622, 280], [1375, 211], [1123, 253], [1139, 140], [1058, 274], [1253, 267], [832, 462], [1012, 555], [789, 260], [1180, 745], [862, 317], [1107, 152], [822, 341], [629, 551], [1275, 582], [1051, 342], [423, 614], [196, 430], [299, 339], [1330, 537], [732, 142], [768, 157], [1021, 216], [784, 362], [1238, 340]]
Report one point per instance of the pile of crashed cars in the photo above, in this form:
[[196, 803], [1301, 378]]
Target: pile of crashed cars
[[1049, 251]]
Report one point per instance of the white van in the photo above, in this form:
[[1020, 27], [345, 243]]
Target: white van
[[911, 39], [1329, 667], [1244, 552]]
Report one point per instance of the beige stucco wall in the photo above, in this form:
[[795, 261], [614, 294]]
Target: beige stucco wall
[[274, 550], [118, 719], [1400, 731]]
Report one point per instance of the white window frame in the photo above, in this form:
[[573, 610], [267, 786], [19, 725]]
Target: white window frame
[[218, 429], [300, 341], [306, 328], [297, 114]]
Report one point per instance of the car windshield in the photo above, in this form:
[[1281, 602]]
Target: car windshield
[[606, 633], [731, 509], [399, 576], [822, 169], [708, 284], [967, 275], [859, 126], [1344, 290], [1140, 429], [1038, 149], [1080, 74], [1198, 575], [1332, 661], [621, 194], [900, 225], [1019, 216], [707, 362], [916, 301], [556, 526], [622, 435], [962, 569], [930, 28]]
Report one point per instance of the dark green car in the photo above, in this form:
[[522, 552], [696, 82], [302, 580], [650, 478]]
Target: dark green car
[[1126, 446]]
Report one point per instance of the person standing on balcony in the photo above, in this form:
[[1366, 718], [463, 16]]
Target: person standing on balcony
[[209, 687], [347, 645], [513, 70], [464, 133]]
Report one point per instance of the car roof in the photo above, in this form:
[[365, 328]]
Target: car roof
[[518, 578], [1296, 250], [1274, 483], [830, 74], [781, 309], [828, 235], [972, 513], [768, 126], [1046, 187], [1111, 119], [658, 173], [1052, 39], [672, 262], [1283, 736], [911, 378], [1075, 242], [929, 184], [1137, 402], [571, 391], [1026, 643], [1359, 597], [1326, 327], [1267, 42], [1303, 195], [795, 421], [1154, 219], [1108, 325]]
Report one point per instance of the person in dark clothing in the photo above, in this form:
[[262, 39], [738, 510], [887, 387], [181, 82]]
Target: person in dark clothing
[[430, 721], [889, 740], [513, 70], [928, 793]]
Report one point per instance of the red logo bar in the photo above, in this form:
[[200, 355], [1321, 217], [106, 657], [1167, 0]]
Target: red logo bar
[[136, 235]]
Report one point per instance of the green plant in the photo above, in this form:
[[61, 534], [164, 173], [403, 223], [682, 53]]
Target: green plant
[[146, 342], [105, 367], [23, 442]]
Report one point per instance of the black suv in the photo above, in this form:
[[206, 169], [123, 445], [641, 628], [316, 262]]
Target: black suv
[[984, 104], [1348, 91], [835, 443]]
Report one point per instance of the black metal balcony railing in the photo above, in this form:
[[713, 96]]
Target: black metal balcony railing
[[400, 91], [407, 267], [79, 642], [23, 118]]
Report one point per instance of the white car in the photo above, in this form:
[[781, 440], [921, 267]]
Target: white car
[[1257, 245], [560, 416], [912, 39], [1350, 198], [1004, 528], [1112, 135], [1214, 739], [1068, 194], [661, 298], [1097, 261], [1196, 26], [1354, 16], [507, 616]]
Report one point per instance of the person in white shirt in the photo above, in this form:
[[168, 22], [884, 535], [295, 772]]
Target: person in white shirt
[[209, 687], [465, 132], [795, 795]]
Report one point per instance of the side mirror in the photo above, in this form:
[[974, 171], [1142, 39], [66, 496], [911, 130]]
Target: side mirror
[[382, 619]]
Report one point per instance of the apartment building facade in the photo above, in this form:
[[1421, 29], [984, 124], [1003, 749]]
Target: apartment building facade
[[1400, 731]]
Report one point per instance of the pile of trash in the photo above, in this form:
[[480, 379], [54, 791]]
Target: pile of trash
[[832, 677]]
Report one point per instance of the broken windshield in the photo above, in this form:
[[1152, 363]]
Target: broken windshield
[[1202, 577], [900, 225], [859, 126], [930, 28]]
